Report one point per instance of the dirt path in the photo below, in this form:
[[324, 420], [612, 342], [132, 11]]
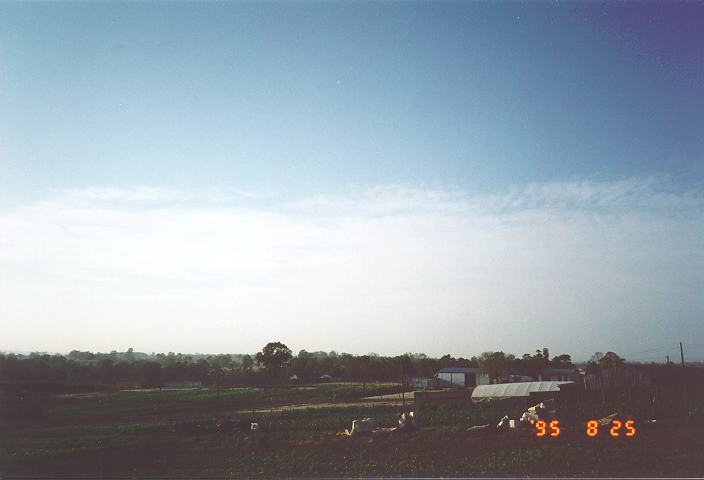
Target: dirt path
[[303, 406]]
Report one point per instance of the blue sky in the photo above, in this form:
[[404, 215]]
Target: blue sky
[[341, 126]]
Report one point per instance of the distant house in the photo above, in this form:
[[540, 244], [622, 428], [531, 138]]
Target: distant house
[[559, 375], [462, 376]]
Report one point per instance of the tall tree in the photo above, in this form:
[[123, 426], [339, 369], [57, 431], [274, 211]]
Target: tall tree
[[562, 361], [604, 369], [274, 356], [496, 364]]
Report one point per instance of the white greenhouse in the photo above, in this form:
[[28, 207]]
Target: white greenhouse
[[508, 390]]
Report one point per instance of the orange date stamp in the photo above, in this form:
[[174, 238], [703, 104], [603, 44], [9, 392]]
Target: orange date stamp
[[616, 428]]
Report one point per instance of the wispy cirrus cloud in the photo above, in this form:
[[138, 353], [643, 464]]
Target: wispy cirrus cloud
[[140, 194], [641, 194], [388, 268]]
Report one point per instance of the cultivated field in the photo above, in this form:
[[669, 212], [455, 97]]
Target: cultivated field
[[186, 433]]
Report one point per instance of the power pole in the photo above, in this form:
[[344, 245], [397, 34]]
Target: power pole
[[403, 397], [684, 378]]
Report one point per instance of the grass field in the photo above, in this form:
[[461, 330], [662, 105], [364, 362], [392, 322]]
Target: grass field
[[136, 434]]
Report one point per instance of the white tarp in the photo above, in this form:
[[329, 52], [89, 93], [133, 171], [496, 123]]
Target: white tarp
[[365, 425], [507, 390]]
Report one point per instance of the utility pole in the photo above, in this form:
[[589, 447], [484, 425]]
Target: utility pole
[[668, 359], [684, 378], [403, 397]]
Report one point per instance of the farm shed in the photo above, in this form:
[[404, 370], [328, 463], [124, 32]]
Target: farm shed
[[510, 390], [462, 376]]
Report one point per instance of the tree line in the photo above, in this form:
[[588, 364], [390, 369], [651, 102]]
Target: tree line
[[274, 364]]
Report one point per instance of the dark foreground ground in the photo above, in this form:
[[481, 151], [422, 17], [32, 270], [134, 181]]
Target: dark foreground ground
[[172, 434]]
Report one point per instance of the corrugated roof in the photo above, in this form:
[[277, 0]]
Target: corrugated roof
[[522, 389], [457, 370]]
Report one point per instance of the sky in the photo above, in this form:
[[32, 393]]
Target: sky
[[390, 177]]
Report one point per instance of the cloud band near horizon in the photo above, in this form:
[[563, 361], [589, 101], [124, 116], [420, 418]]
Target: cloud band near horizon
[[575, 266]]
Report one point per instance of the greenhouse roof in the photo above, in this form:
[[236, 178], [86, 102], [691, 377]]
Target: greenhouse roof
[[506, 390]]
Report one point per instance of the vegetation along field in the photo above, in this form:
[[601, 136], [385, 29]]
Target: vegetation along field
[[194, 432]]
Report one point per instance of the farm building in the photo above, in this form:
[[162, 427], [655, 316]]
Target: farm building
[[462, 376], [509, 390]]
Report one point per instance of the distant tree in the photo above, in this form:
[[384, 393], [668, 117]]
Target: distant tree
[[104, 371], [301, 364], [446, 361], [222, 360], [426, 367], [122, 372], [405, 362], [149, 373], [533, 364], [200, 371], [247, 362], [356, 367], [496, 364], [274, 356], [77, 355], [604, 368], [463, 362], [611, 363], [10, 368], [216, 377], [562, 361]]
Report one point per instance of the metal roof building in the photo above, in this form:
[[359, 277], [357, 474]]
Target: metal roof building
[[462, 376], [508, 390], [458, 370]]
